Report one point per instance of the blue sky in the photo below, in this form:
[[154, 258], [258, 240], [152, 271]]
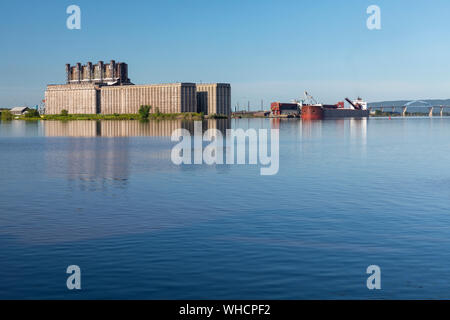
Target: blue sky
[[270, 50]]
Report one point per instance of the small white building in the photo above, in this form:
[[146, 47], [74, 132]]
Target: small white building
[[19, 111]]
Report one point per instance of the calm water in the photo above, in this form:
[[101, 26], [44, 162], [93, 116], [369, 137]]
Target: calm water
[[105, 196]]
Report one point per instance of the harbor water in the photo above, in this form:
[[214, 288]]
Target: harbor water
[[105, 196]]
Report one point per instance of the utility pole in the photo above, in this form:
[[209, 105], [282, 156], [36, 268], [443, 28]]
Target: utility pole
[[248, 106]]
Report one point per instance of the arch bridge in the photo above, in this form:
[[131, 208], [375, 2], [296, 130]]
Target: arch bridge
[[410, 105]]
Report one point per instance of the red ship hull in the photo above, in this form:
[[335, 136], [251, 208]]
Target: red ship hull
[[312, 112]]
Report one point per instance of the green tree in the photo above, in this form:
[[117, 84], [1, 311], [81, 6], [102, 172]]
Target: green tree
[[33, 113], [7, 115], [144, 111], [64, 112]]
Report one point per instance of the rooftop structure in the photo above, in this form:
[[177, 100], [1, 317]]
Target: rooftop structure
[[100, 73], [18, 111]]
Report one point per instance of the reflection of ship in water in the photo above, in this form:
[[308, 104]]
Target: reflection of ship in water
[[355, 128], [127, 128]]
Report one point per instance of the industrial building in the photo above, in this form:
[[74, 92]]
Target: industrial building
[[287, 109], [82, 98], [106, 89], [214, 98], [167, 98]]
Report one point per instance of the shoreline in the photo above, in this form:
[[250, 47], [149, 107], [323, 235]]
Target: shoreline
[[159, 116], [193, 116]]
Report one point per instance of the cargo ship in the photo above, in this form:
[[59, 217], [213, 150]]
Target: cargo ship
[[311, 110]]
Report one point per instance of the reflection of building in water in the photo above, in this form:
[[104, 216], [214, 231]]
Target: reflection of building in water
[[83, 128], [137, 128], [127, 128], [275, 123], [95, 164], [89, 163], [98, 163], [114, 128], [220, 124], [21, 128]]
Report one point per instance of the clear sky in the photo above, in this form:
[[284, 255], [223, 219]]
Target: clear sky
[[270, 50]]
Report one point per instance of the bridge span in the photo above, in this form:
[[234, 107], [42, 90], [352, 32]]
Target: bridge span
[[410, 105]]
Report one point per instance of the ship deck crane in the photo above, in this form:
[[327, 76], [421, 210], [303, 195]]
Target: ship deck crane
[[309, 99], [356, 106]]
